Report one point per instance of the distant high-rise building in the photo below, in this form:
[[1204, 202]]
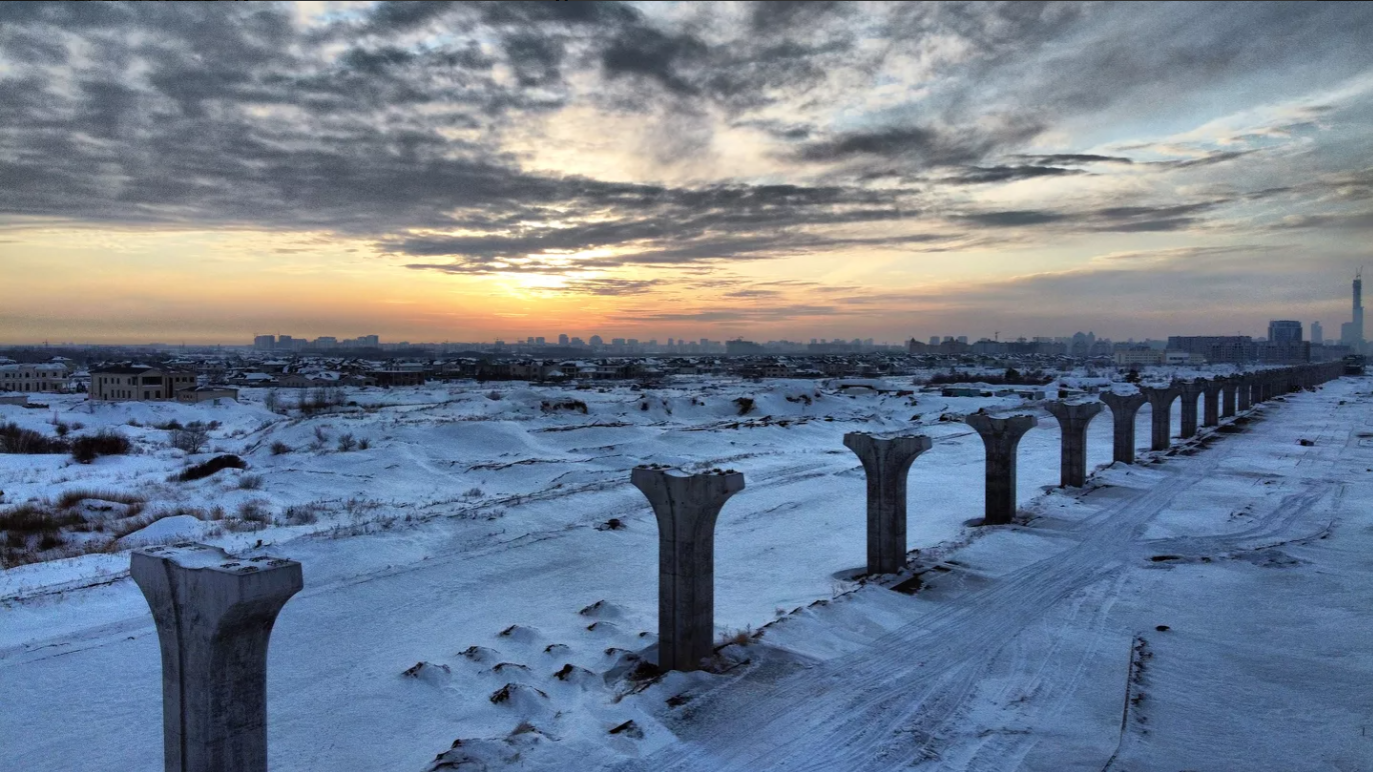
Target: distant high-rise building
[[562, 339], [539, 341], [596, 341], [934, 340], [962, 338], [1284, 332], [1351, 332], [1317, 334], [264, 342], [529, 341]]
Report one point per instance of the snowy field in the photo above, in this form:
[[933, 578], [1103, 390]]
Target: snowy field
[[470, 535]]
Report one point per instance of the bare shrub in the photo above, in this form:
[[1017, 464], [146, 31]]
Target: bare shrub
[[303, 514], [571, 405], [191, 439], [106, 443], [744, 404], [73, 496], [364, 444], [272, 401], [346, 443], [742, 637], [321, 439], [358, 509], [321, 399], [32, 528], [250, 482], [200, 471], [280, 448], [252, 515], [13, 439]]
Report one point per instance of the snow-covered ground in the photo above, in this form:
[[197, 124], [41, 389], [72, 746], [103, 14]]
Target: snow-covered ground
[[465, 537]]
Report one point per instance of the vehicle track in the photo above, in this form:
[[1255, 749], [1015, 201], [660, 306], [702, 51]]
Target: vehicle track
[[898, 703]]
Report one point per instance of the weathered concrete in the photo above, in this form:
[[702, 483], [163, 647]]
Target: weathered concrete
[[1229, 389], [1124, 408], [214, 616], [1188, 391], [1000, 436], [686, 507], [886, 462], [1072, 422], [1210, 401], [1246, 392], [1161, 406]]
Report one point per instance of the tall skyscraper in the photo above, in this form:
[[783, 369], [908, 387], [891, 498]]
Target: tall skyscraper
[[1317, 334], [1358, 305], [1351, 333]]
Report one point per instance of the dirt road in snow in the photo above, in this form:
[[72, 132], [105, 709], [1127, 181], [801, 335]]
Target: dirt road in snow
[[1028, 670]]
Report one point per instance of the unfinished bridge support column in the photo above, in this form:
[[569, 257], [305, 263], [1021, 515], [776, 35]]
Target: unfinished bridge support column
[[1229, 388], [214, 615], [1189, 391], [1161, 405], [1210, 401], [1072, 422], [1124, 408], [686, 507], [886, 462], [1000, 436], [1246, 392]]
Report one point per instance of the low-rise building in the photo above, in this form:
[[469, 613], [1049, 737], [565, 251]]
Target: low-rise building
[[138, 382], [198, 394], [49, 377], [1139, 356], [386, 378]]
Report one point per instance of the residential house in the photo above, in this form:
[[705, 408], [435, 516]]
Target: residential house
[[49, 377], [138, 382]]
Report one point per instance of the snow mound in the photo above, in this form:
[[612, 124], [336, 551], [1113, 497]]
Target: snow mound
[[174, 528]]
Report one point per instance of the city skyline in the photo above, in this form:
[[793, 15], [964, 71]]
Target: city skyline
[[767, 171]]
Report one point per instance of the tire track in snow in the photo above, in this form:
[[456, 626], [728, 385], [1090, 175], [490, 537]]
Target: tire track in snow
[[891, 718]]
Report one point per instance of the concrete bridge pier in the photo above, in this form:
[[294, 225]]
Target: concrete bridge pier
[[214, 616], [1124, 408], [1189, 391], [686, 507], [886, 462], [1001, 436], [1246, 392], [1161, 405], [1210, 401], [1229, 390], [1072, 422]]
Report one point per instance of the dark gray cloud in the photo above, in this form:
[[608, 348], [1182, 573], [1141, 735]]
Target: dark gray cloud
[[1118, 218], [919, 146], [1057, 159], [978, 175], [608, 287]]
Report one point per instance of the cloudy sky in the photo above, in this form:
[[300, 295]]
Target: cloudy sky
[[467, 171]]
